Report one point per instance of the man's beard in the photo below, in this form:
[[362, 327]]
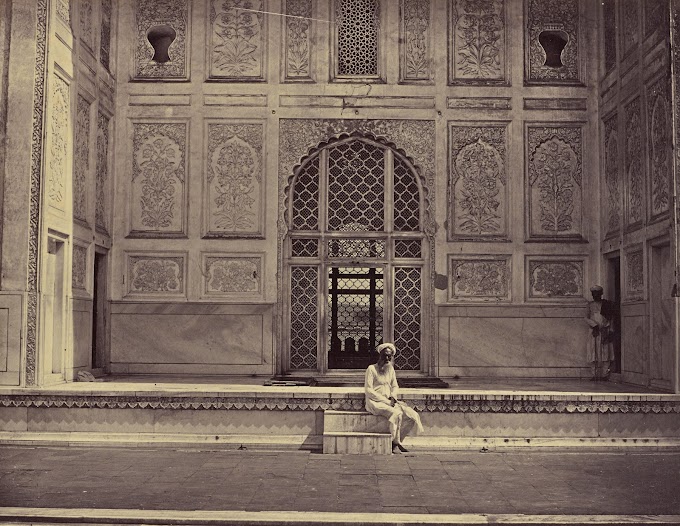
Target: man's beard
[[385, 367]]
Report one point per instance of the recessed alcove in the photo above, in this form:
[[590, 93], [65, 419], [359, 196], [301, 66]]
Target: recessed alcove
[[160, 38], [553, 43]]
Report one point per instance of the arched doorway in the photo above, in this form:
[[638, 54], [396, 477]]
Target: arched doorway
[[354, 258]]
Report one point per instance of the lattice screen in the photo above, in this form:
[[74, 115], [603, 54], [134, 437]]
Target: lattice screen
[[407, 316], [406, 199], [306, 197], [357, 26], [303, 317]]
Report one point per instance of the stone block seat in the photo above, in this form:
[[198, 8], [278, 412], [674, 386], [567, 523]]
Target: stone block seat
[[355, 432]]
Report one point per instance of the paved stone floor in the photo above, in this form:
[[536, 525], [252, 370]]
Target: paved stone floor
[[453, 482]]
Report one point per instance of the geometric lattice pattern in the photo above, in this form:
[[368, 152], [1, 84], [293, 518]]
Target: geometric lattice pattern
[[303, 317], [306, 197], [407, 309], [406, 199], [407, 248], [356, 187], [357, 26], [305, 248], [356, 248]]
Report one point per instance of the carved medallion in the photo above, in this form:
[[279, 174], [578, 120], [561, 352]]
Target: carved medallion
[[634, 162], [635, 278], [415, 42], [102, 174], [232, 275], [59, 142], [555, 279], [79, 272], [155, 274], [611, 175], [484, 277], [660, 147], [298, 47], [81, 168]]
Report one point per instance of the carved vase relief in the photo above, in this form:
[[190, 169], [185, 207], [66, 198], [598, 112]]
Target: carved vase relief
[[81, 168], [483, 277], [552, 42], [415, 43], [660, 147], [611, 175], [630, 24], [609, 22], [478, 41], [162, 34], [634, 162], [232, 275], [477, 181], [555, 279], [105, 36], [85, 23], [555, 186], [234, 180], [158, 177], [102, 173], [298, 47], [59, 134], [79, 272], [635, 280], [237, 39], [155, 275]]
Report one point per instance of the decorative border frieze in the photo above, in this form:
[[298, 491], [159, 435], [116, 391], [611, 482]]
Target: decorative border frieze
[[479, 103], [480, 277], [555, 278], [544, 103], [156, 275], [232, 275], [634, 273]]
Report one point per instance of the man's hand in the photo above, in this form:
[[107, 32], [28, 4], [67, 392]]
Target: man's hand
[[393, 401]]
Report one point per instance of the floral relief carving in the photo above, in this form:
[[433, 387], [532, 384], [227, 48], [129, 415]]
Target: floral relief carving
[[172, 13], [555, 279], [478, 180], [85, 23], [635, 275], [59, 132], [480, 278], [611, 174], [79, 272], [155, 275], [553, 15], [630, 25], [81, 159], [63, 8], [158, 176], [232, 275], [235, 154], [633, 161], [415, 42], [105, 34], [478, 40], [609, 22], [102, 172], [298, 35], [660, 147], [237, 39]]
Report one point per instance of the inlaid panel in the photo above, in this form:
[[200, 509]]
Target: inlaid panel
[[659, 140], [634, 164], [232, 275], [479, 278], [612, 186], [415, 44], [156, 274], [298, 36], [634, 273], [555, 278]]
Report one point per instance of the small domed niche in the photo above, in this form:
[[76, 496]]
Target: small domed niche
[[553, 43], [160, 38]]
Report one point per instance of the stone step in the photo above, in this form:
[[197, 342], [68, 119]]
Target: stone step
[[354, 421], [354, 443]]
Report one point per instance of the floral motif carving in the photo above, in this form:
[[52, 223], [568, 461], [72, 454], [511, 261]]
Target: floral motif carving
[[172, 13], [478, 180], [635, 275], [79, 272], [232, 275], [555, 279], [85, 23], [158, 173], [415, 41], [59, 132], [553, 15], [660, 134], [155, 275], [105, 34], [298, 34], [63, 8], [81, 159], [234, 178], [555, 193], [633, 161], [102, 173], [611, 174], [609, 22], [480, 278], [630, 13], [237, 39], [478, 40]]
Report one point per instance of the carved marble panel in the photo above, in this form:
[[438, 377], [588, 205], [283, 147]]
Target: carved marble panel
[[159, 171], [298, 38], [479, 278], [232, 275], [656, 16], [156, 274], [554, 182], [158, 21], [237, 40], [105, 33], [612, 178], [552, 42], [81, 160], [659, 137], [102, 194], [609, 33], [634, 273], [478, 190], [234, 185], [63, 9], [86, 23], [630, 26], [79, 270], [59, 130], [478, 42], [415, 44], [555, 278], [634, 163]]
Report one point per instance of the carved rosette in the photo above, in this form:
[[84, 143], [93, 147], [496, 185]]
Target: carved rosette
[[660, 149], [635, 277], [555, 279], [630, 26], [59, 143], [237, 40], [105, 34], [480, 278], [558, 16], [171, 13], [158, 179], [477, 181], [415, 48], [86, 23], [232, 275], [609, 22], [102, 201], [611, 175], [79, 271], [234, 180], [81, 167], [155, 275], [298, 40], [633, 155], [478, 43], [555, 193]]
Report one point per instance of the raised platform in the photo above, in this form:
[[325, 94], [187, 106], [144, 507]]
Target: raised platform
[[137, 411]]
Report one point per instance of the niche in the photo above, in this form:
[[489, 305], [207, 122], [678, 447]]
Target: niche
[[553, 43], [160, 38]]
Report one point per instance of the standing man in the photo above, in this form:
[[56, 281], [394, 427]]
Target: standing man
[[601, 334]]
